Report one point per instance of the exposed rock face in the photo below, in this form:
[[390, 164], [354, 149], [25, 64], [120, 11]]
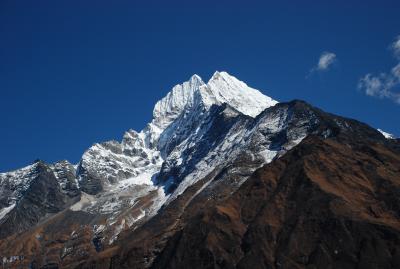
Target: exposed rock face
[[223, 177], [65, 175], [41, 197]]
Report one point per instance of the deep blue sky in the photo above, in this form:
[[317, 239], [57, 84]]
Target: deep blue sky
[[73, 73]]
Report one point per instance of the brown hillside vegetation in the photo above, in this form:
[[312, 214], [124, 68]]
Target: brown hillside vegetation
[[331, 203]]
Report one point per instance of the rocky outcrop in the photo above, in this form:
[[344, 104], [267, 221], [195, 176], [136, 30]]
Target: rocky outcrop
[[43, 196]]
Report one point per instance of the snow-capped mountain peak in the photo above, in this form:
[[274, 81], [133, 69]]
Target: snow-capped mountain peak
[[196, 128], [221, 88], [195, 96], [228, 89], [180, 120], [204, 141], [169, 108]]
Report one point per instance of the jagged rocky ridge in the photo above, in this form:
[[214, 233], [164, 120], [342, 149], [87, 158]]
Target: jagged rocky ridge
[[204, 141]]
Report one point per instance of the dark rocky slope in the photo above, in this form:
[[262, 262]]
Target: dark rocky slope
[[326, 204], [41, 199]]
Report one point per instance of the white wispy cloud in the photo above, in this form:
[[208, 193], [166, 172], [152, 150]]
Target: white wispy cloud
[[325, 61], [396, 47], [386, 84]]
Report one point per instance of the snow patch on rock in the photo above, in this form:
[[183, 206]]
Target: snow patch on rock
[[386, 135]]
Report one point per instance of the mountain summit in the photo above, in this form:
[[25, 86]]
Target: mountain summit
[[221, 88], [222, 176]]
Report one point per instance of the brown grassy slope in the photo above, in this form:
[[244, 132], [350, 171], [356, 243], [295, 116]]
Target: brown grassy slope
[[331, 203]]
